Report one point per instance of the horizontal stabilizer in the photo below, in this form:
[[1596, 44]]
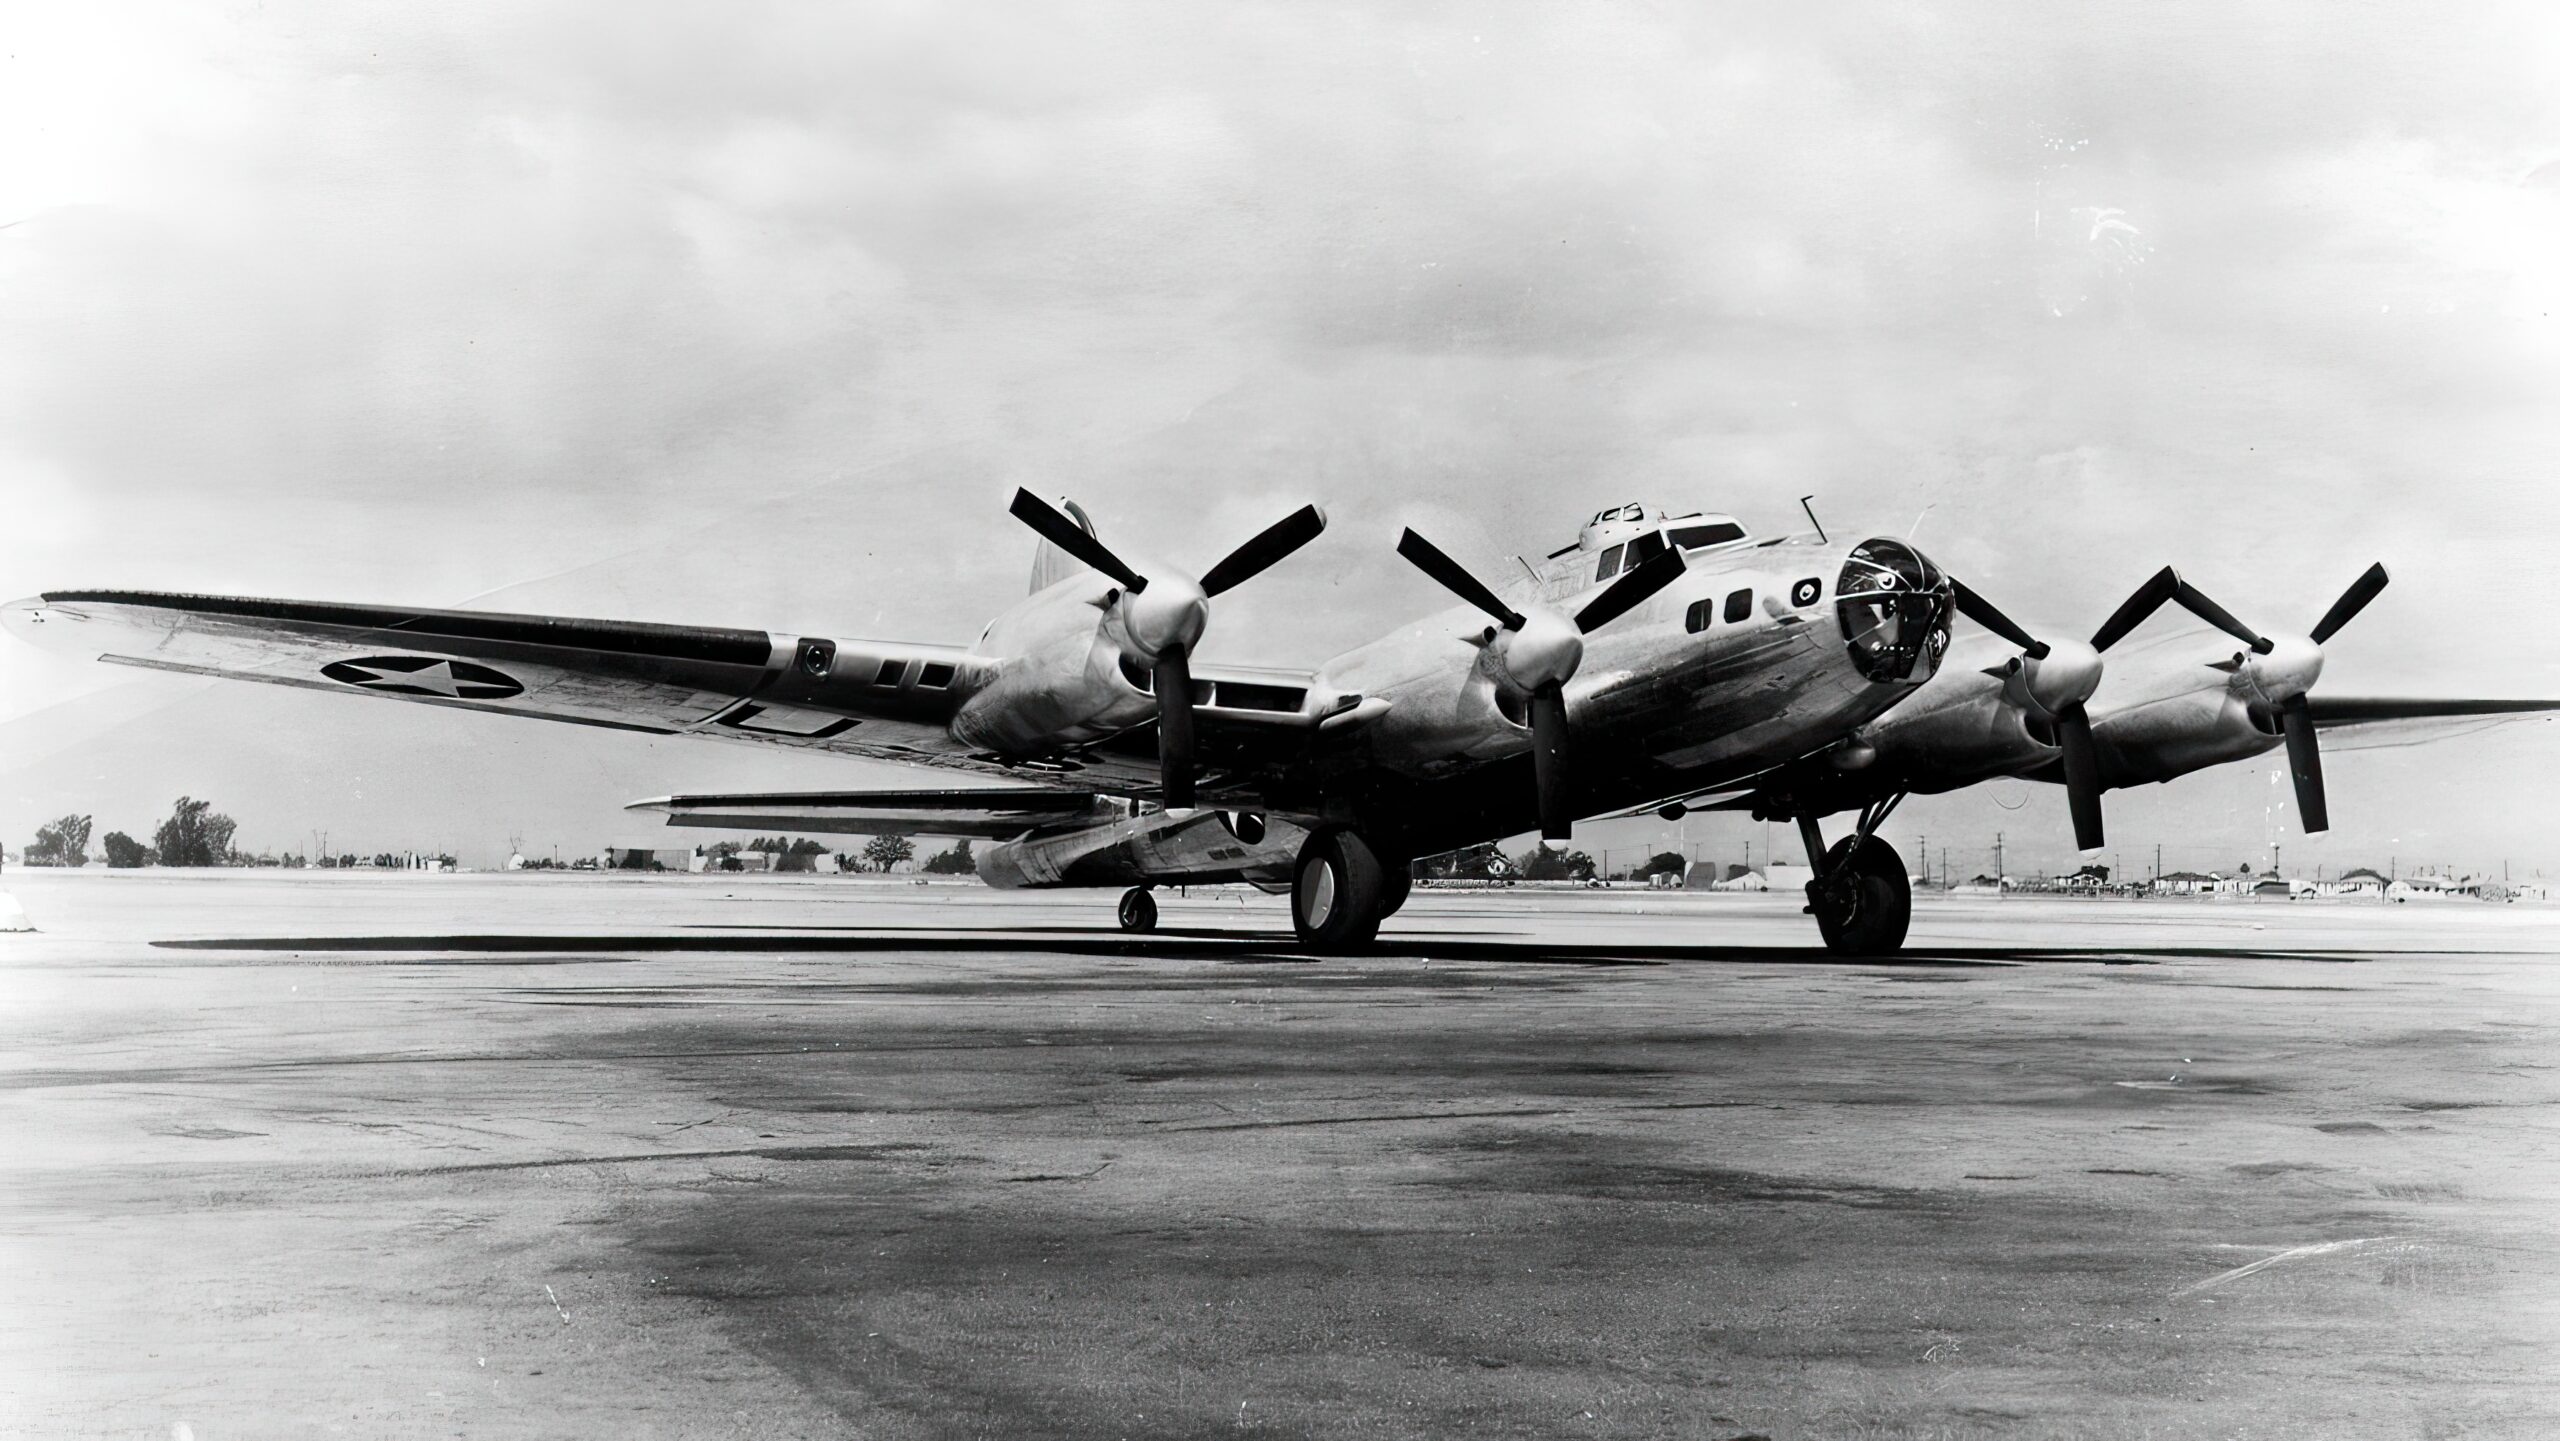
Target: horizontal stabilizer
[[993, 812]]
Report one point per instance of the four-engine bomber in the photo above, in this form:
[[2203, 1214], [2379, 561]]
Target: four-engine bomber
[[1657, 663]]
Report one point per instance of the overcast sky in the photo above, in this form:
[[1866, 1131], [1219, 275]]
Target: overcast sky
[[754, 316]]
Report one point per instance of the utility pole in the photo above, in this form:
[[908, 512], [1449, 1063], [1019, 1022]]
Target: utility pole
[[2276, 866], [1999, 855], [2155, 863], [1924, 858]]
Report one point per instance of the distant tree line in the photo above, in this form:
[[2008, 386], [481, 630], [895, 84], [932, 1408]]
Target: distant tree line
[[195, 834], [880, 854]]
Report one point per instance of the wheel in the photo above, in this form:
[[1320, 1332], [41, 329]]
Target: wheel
[[1137, 911], [1336, 903], [1863, 900]]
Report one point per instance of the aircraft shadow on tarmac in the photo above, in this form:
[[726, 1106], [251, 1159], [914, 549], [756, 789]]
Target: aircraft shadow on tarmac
[[1236, 947]]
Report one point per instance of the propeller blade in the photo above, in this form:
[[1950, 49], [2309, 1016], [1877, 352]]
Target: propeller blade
[[2137, 608], [1453, 577], [1630, 590], [2302, 747], [2222, 620], [1059, 530], [2080, 777], [1174, 739], [1547, 741], [1264, 551], [2356, 598], [1986, 615]]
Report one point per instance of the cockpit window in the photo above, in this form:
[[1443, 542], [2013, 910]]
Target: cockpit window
[[1609, 561], [1893, 611], [1694, 537], [1644, 548]]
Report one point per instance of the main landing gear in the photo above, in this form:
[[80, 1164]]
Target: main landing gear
[[1860, 895], [1343, 891], [1138, 910]]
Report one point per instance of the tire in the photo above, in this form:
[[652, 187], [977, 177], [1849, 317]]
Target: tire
[[1336, 903], [1863, 900], [1137, 912]]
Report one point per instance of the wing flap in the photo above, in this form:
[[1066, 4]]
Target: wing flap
[[993, 812]]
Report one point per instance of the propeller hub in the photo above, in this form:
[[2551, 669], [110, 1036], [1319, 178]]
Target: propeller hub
[[1172, 611], [2067, 675], [1546, 650], [2289, 668]]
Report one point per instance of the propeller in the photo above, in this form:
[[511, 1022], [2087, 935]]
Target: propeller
[[2054, 679], [1536, 651], [2280, 670], [1165, 614]]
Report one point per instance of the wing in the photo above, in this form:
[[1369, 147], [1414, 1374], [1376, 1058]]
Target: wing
[[878, 700], [875, 699], [2373, 722], [995, 812]]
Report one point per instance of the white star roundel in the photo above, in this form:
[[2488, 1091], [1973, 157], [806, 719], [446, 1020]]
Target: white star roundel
[[425, 675]]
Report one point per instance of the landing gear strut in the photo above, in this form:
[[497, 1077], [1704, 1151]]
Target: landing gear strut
[[1342, 892], [1859, 895], [1138, 910]]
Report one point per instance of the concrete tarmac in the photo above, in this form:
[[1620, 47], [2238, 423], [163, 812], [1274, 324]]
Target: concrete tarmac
[[315, 1154]]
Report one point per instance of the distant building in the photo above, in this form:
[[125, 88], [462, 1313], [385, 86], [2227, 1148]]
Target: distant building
[[2434, 888], [2359, 884], [650, 856]]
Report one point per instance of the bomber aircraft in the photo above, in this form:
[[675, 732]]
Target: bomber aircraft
[[1656, 663]]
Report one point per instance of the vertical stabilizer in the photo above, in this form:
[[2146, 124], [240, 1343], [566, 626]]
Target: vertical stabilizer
[[1050, 565]]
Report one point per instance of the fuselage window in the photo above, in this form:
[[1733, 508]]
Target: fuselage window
[[1700, 612], [1808, 591], [1692, 537], [1609, 561], [1737, 606], [935, 675], [891, 672]]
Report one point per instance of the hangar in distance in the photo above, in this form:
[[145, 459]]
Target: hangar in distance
[[1657, 663]]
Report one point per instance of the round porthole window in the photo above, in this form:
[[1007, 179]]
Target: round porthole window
[[1807, 591]]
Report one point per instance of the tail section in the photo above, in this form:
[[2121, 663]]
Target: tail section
[[1050, 565]]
